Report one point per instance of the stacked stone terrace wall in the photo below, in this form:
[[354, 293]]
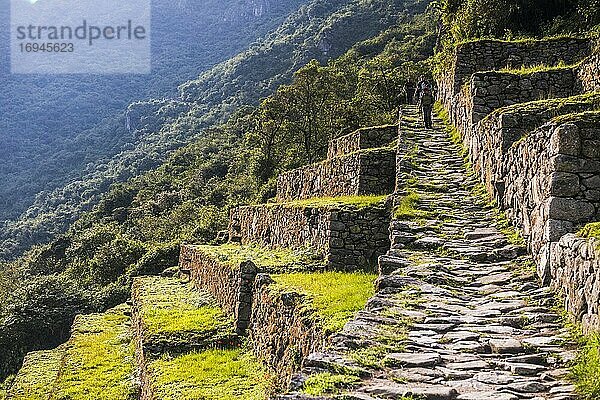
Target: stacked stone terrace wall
[[550, 183], [282, 327], [490, 55], [348, 238], [231, 286], [576, 275], [284, 330], [365, 138], [359, 173], [589, 72]]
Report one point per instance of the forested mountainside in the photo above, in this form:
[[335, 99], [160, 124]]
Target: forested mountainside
[[321, 30], [137, 226], [54, 126]]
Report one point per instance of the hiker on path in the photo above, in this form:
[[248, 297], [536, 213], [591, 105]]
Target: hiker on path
[[426, 105], [409, 91]]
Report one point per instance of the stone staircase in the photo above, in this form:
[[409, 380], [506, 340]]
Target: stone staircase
[[458, 312]]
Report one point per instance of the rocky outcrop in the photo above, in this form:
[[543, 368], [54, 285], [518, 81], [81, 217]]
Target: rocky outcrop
[[575, 271]]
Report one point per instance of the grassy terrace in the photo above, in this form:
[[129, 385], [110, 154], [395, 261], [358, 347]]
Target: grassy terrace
[[210, 375], [99, 359], [532, 69], [356, 202], [552, 107], [336, 296], [264, 257], [37, 377], [169, 309]]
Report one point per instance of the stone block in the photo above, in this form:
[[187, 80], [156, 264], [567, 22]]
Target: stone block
[[568, 209], [564, 184], [566, 140]]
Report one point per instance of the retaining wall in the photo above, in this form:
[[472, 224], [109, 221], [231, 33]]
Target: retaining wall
[[231, 286], [576, 275], [490, 55], [365, 138], [589, 72], [359, 173], [284, 330], [548, 183], [347, 237]]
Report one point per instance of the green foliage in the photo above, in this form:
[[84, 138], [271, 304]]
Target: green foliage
[[471, 19], [210, 375], [328, 383], [586, 370], [336, 296]]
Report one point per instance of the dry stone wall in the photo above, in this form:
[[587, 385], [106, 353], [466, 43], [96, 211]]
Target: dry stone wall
[[589, 72], [230, 285], [549, 183], [284, 330], [348, 237], [490, 55], [365, 138], [576, 274], [359, 173]]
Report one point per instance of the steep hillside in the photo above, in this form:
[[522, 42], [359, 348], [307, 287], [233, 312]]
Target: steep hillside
[[137, 226], [322, 29], [53, 126]]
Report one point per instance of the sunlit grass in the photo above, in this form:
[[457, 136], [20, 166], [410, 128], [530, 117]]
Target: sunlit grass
[[336, 296], [37, 377], [99, 359], [327, 383], [586, 371], [262, 256], [167, 306], [359, 202], [210, 375]]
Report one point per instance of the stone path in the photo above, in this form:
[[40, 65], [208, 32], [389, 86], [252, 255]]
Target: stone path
[[458, 313]]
